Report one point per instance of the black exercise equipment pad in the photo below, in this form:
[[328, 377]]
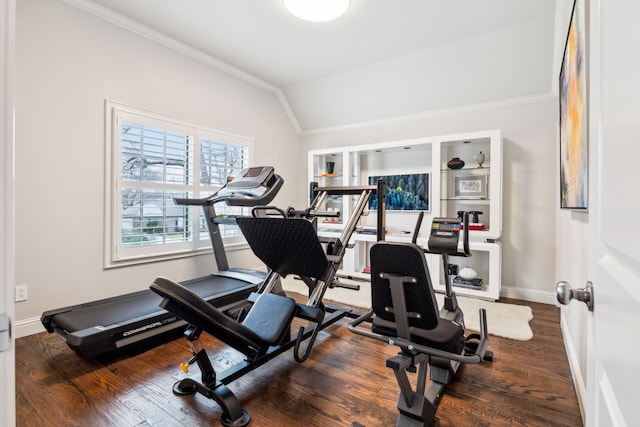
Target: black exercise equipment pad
[[426, 327], [286, 246]]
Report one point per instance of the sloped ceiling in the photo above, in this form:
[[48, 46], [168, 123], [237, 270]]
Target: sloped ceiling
[[382, 59]]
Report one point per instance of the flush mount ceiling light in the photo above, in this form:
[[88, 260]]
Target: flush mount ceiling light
[[317, 10]]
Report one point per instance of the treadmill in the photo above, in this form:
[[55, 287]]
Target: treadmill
[[99, 327]]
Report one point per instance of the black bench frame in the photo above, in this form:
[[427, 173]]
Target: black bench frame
[[295, 249]]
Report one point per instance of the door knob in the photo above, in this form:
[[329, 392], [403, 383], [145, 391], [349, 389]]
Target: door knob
[[565, 293]]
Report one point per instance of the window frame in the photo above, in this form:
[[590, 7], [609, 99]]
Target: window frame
[[114, 254]]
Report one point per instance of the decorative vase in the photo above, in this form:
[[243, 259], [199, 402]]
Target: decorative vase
[[479, 158], [468, 273], [330, 167], [455, 163]]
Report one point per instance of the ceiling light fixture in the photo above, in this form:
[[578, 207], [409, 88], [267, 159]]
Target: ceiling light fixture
[[317, 10]]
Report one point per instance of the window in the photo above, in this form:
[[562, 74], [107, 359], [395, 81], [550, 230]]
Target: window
[[153, 160]]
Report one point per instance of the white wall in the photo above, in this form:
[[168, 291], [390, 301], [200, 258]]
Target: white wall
[[529, 182], [500, 64], [68, 62]]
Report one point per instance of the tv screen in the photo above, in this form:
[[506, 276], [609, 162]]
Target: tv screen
[[408, 192]]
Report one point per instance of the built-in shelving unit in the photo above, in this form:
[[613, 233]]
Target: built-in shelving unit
[[413, 165], [474, 187]]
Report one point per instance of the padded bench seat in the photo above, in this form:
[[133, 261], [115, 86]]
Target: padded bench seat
[[269, 316]]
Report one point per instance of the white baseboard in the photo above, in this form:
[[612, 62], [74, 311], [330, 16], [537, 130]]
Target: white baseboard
[[26, 327], [532, 295], [578, 380]]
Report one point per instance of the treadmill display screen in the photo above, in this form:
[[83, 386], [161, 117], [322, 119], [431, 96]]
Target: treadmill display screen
[[252, 172], [251, 178]]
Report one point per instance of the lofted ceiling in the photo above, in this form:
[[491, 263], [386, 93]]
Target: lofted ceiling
[[376, 47]]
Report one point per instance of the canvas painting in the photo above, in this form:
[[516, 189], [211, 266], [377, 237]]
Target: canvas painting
[[408, 192], [573, 114]]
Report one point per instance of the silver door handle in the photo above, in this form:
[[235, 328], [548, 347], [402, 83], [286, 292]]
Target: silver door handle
[[565, 293], [5, 332]]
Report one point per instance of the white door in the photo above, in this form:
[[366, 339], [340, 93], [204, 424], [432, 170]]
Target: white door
[[7, 357], [613, 349]]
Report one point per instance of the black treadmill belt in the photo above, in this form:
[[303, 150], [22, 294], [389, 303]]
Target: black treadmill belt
[[122, 309]]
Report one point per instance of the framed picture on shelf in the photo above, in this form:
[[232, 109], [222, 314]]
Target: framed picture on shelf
[[470, 187]]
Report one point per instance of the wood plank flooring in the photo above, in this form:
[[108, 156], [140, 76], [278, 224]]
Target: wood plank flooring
[[344, 380]]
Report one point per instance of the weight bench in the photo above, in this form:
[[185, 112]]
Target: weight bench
[[265, 325], [404, 312], [287, 246]]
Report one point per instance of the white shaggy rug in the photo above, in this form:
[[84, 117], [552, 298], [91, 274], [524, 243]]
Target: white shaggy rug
[[503, 320]]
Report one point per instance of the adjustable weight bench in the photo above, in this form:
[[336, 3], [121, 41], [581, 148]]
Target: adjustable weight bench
[[292, 247], [405, 313], [287, 246], [265, 325]]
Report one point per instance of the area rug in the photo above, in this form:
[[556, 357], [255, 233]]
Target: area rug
[[503, 320]]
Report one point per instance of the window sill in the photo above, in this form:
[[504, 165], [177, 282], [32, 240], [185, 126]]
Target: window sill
[[146, 259]]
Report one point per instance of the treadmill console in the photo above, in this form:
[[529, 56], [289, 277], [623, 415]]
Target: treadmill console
[[251, 178], [252, 186], [250, 183]]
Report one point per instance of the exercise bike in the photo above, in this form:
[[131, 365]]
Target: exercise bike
[[405, 313]]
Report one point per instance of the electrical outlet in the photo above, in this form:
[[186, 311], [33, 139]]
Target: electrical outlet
[[21, 293]]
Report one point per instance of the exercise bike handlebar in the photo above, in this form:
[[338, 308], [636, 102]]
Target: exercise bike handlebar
[[416, 230]]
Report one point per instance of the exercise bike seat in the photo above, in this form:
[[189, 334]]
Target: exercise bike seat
[[264, 326], [413, 314]]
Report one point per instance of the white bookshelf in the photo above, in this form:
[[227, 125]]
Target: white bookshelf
[[448, 194]]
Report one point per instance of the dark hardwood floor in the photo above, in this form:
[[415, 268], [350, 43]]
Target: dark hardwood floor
[[344, 380]]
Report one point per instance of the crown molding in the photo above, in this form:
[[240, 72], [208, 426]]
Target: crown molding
[[164, 40], [443, 112], [155, 36]]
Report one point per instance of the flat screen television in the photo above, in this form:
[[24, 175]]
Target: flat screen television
[[409, 192]]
